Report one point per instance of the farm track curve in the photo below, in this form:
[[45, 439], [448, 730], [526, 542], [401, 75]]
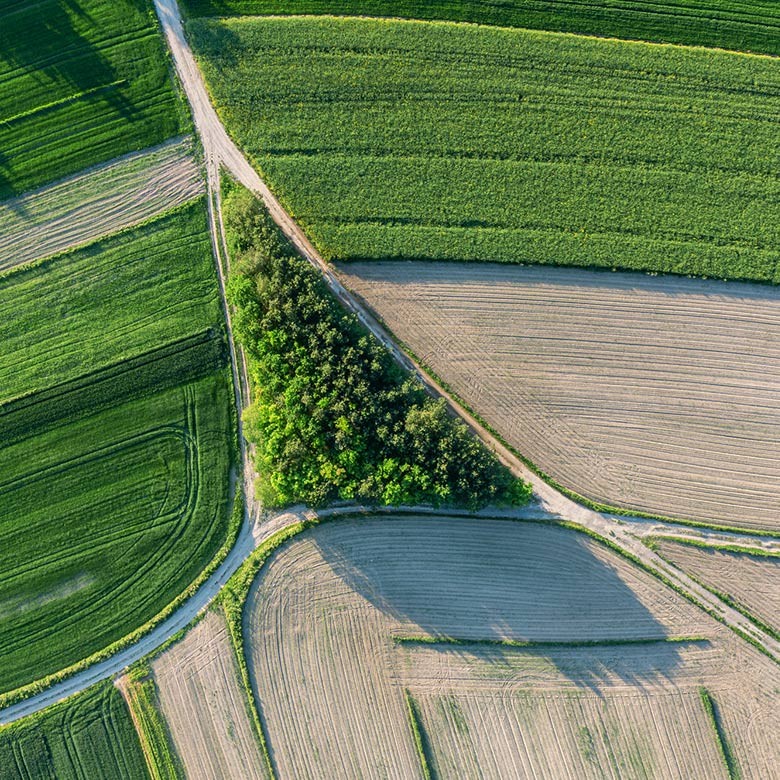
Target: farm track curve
[[219, 150], [101, 200]]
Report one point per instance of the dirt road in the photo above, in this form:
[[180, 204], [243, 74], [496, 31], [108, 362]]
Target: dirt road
[[220, 149]]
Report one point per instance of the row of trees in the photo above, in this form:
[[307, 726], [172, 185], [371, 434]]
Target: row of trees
[[334, 417]]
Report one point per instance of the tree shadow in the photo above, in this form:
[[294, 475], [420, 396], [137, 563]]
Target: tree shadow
[[484, 582]]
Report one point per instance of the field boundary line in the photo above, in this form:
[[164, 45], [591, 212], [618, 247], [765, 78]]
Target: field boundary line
[[713, 715], [220, 148], [419, 734]]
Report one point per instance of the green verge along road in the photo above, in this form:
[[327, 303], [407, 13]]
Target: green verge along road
[[622, 533]]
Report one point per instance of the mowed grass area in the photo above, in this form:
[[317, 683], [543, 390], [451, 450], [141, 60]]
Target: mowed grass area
[[742, 25], [121, 296], [107, 519], [89, 736], [81, 82], [415, 140]]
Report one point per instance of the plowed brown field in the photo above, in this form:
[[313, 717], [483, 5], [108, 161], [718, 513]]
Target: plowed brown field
[[204, 704], [658, 394], [753, 581], [330, 616]]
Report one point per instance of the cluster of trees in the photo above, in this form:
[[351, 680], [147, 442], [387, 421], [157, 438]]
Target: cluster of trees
[[333, 417]]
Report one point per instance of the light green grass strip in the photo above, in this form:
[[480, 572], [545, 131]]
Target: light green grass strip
[[420, 738], [61, 102], [161, 757], [711, 708]]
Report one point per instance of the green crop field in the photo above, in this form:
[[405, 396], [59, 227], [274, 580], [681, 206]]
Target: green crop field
[[88, 737], [433, 140], [81, 81], [742, 25], [123, 295], [117, 427], [105, 520]]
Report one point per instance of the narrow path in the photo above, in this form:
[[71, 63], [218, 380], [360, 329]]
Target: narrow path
[[623, 533], [220, 149]]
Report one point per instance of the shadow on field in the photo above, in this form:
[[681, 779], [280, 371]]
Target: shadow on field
[[430, 274], [483, 582], [47, 42]]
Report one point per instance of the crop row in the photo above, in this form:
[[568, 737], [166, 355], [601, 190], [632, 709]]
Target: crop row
[[418, 140], [743, 25], [105, 520], [179, 362], [88, 736], [81, 311], [80, 82]]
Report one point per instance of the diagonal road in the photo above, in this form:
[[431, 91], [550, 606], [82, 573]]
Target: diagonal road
[[221, 150], [622, 533]]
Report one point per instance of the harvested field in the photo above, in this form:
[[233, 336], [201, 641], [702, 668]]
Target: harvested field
[[752, 25], [105, 200], [89, 736], [204, 704], [655, 394], [537, 734], [751, 581], [330, 624]]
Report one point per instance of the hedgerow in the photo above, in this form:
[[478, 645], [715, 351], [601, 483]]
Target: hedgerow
[[412, 140], [333, 416], [742, 25]]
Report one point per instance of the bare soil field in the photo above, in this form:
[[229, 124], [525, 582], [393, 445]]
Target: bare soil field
[[752, 581], [205, 707], [658, 394], [344, 620], [99, 201], [539, 732]]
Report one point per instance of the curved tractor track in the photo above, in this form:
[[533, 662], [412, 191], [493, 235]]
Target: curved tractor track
[[624, 534], [221, 150]]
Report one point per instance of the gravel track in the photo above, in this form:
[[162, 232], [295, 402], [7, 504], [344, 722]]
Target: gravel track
[[204, 704], [96, 202], [325, 614], [656, 394], [752, 581]]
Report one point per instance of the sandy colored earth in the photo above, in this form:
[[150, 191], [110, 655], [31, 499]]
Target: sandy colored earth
[[205, 707], [329, 613], [659, 394], [753, 581], [102, 200]]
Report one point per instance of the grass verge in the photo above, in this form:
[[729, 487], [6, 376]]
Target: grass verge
[[232, 599], [420, 737], [156, 742], [711, 708]]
